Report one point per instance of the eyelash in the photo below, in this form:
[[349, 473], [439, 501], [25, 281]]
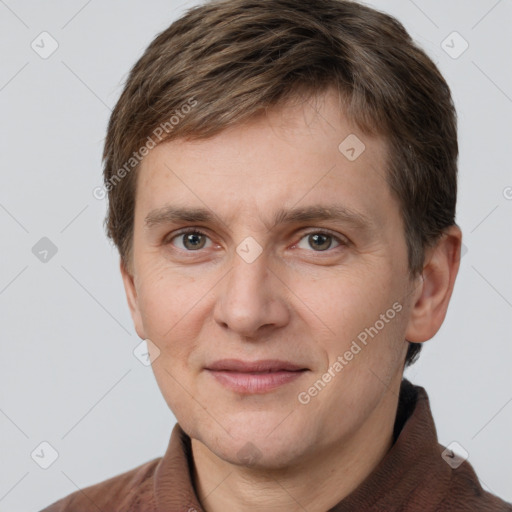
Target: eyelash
[[343, 242]]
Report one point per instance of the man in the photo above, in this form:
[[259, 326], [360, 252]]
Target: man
[[282, 190]]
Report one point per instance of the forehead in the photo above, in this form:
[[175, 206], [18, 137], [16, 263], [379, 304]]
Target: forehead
[[296, 155]]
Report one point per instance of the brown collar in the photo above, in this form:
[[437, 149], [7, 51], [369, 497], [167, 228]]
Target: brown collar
[[412, 474]]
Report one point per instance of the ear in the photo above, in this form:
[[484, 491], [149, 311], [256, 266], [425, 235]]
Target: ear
[[132, 298], [435, 286]]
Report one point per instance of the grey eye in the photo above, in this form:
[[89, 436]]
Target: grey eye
[[318, 241], [191, 241]]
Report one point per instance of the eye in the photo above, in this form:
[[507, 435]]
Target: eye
[[190, 240], [320, 241]]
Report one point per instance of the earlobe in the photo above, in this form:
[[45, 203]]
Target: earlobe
[[435, 286], [132, 298]]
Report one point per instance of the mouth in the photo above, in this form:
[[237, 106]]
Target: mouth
[[254, 377]]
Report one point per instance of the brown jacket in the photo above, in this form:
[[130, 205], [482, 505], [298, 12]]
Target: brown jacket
[[412, 477]]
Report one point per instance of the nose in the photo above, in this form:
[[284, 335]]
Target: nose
[[252, 300]]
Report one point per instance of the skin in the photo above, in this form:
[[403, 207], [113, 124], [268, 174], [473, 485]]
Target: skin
[[294, 302]]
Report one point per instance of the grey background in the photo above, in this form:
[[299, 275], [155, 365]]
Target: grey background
[[67, 372]]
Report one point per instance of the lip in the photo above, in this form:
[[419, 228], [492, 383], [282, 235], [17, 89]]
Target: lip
[[250, 377], [263, 365]]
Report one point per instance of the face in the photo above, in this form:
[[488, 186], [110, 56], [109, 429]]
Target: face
[[270, 270]]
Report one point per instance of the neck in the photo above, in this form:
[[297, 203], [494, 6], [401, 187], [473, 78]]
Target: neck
[[316, 484]]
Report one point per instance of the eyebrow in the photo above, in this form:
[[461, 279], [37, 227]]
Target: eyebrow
[[314, 213]]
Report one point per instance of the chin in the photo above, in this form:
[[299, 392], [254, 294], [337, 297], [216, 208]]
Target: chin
[[263, 455], [259, 443]]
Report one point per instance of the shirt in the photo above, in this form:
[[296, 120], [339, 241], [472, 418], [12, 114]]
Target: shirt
[[416, 475]]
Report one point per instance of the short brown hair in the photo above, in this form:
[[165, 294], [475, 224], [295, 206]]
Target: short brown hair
[[236, 58]]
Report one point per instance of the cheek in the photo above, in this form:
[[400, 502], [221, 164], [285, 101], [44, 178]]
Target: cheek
[[168, 303], [350, 306]]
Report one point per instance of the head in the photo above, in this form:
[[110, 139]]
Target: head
[[252, 123]]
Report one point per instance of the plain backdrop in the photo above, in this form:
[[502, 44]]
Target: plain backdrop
[[68, 376]]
